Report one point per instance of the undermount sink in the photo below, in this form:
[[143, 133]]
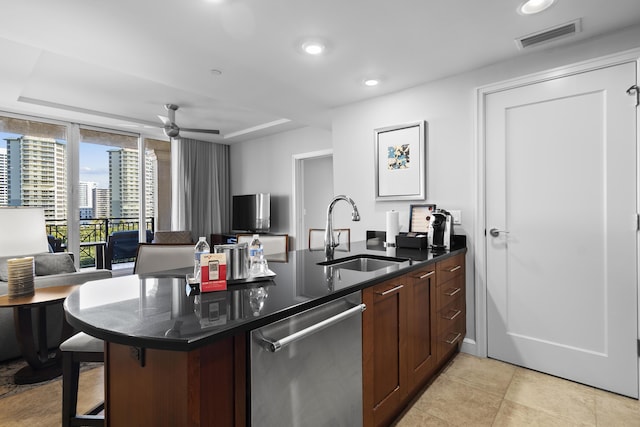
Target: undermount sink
[[365, 262]]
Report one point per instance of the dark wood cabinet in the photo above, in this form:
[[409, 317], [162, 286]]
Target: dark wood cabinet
[[420, 324], [384, 345], [412, 325], [450, 306], [202, 387]]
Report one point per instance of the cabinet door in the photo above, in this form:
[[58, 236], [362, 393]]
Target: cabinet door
[[384, 341], [420, 324]]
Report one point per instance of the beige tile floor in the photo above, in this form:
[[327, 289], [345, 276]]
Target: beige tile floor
[[469, 392], [484, 392], [41, 406]]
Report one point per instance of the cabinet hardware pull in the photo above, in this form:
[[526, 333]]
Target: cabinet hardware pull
[[390, 290], [453, 316], [457, 267], [453, 341], [452, 291], [427, 275]]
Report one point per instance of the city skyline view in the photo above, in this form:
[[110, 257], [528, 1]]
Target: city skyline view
[[33, 172], [94, 160]]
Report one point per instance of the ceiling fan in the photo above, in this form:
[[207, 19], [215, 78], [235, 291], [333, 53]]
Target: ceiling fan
[[172, 130]]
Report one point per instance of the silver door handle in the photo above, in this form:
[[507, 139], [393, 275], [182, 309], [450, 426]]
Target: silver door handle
[[274, 346], [495, 232], [427, 274], [388, 291]]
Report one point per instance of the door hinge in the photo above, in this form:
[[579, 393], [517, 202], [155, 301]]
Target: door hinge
[[634, 91], [637, 222]]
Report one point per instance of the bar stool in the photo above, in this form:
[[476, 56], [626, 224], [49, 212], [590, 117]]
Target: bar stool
[[79, 348]]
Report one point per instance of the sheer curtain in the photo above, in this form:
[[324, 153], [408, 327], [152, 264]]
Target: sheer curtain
[[200, 187]]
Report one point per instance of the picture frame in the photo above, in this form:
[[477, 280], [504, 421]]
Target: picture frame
[[420, 217], [400, 161]]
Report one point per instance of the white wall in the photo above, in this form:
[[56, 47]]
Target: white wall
[[264, 166], [448, 105]]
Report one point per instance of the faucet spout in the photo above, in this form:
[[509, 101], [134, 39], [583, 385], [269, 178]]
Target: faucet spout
[[329, 240]]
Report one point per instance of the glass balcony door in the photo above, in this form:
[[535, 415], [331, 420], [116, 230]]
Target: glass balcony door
[[34, 164], [87, 179]]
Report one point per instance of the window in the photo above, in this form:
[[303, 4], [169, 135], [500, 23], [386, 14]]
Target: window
[[35, 170]]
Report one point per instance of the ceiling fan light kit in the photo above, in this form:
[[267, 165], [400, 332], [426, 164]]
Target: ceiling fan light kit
[[172, 130]]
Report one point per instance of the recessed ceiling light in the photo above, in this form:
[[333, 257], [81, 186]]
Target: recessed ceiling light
[[313, 47], [371, 82], [534, 6]]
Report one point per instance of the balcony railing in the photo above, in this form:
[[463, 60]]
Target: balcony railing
[[93, 232]]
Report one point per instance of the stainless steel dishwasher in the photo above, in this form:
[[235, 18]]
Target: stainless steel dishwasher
[[306, 370]]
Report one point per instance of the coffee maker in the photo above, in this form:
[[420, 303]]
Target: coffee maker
[[440, 231]]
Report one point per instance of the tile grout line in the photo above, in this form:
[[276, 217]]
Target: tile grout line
[[504, 396]]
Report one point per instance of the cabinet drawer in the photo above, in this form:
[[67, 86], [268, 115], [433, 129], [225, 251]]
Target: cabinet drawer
[[448, 340], [450, 268], [449, 316], [450, 291]]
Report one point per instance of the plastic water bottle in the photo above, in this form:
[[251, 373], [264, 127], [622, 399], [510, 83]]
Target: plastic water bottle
[[202, 247], [256, 256]]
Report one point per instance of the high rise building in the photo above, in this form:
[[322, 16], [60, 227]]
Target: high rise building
[[85, 194], [4, 188], [151, 179], [100, 197], [36, 171], [124, 183]]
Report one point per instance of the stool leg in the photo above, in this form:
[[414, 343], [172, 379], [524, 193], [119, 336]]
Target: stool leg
[[70, 380]]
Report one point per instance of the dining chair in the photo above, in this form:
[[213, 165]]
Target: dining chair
[[79, 348], [172, 237], [342, 236], [158, 257], [275, 246]]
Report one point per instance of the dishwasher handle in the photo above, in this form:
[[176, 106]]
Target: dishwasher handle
[[274, 346]]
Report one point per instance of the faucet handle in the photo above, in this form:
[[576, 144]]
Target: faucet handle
[[336, 243]]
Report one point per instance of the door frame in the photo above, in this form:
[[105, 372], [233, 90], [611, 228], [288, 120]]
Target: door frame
[[297, 204], [632, 55]]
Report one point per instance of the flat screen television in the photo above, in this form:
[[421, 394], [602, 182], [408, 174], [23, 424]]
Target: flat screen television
[[251, 212]]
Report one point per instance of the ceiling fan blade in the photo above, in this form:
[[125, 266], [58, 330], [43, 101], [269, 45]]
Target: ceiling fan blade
[[214, 131]]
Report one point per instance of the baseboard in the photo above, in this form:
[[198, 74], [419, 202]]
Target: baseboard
[[469, 346]]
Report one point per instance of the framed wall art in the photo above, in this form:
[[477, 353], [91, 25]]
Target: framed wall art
[[401, 161]]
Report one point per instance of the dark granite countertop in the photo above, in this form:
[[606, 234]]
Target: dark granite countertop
[[155, 312]]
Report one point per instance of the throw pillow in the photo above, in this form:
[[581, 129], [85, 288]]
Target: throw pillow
[[4, 271], [53, 263]]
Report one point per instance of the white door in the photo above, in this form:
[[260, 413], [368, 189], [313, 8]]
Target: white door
[[313, 190], [561, 194]]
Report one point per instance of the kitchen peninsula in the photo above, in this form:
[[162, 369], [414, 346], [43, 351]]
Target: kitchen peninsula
[[166, 366]]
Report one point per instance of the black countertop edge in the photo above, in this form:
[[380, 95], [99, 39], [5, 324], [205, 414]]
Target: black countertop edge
[[250, 323]]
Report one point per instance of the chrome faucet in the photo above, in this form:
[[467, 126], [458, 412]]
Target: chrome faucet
[[329, 241]]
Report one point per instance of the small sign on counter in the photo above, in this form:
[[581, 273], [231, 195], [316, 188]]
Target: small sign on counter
[[213, 272]]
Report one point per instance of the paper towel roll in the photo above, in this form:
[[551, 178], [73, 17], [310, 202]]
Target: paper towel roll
[[393, 226]]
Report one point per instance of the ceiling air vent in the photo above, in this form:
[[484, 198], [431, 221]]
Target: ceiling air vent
[[548, 35]]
